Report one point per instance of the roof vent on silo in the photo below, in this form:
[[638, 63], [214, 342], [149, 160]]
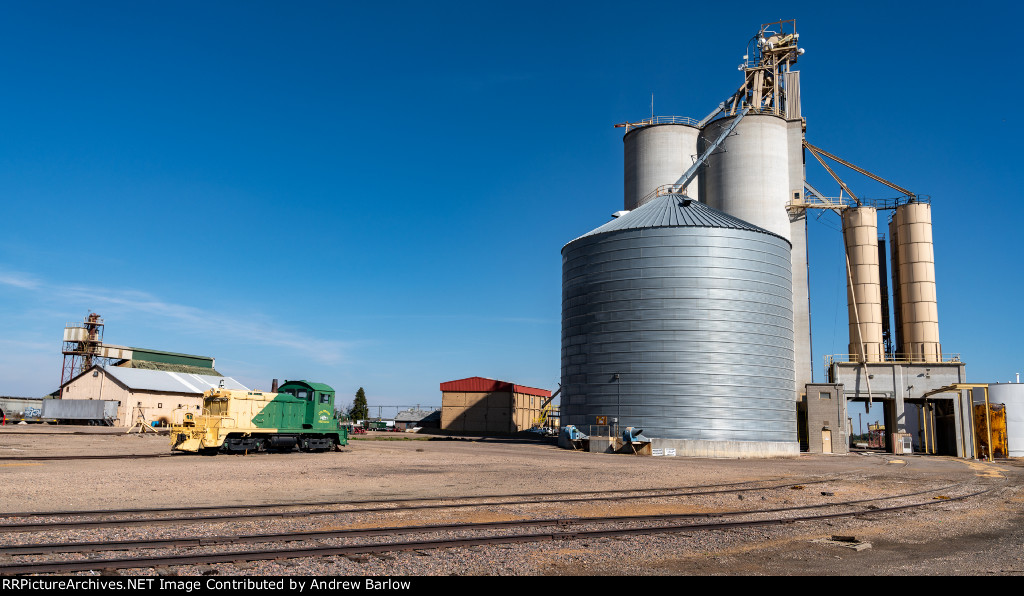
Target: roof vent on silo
[[619, 213]]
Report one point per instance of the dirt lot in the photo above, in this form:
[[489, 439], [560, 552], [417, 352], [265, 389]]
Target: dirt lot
[[976, 536]]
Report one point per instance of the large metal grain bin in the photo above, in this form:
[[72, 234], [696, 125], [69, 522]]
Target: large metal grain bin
[[678, 319]]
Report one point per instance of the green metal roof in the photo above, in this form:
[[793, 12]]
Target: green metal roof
[[171, 357], [171, 367]]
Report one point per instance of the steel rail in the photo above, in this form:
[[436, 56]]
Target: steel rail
[[365, 501], [4, 431], [76, 457], [150, 543], [293, 553], [555, 498]]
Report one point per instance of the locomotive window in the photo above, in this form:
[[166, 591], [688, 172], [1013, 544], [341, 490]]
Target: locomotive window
[[303, 395], [324, 398]]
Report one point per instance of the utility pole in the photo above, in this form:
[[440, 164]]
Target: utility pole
[[618, 390]]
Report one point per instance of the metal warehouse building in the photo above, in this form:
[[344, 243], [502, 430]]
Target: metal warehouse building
[[155, 395], [482, 405]]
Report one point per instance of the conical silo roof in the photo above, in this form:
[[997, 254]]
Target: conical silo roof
[[675, 211]]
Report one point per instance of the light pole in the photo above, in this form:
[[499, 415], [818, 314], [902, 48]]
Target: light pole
[[618, 401]]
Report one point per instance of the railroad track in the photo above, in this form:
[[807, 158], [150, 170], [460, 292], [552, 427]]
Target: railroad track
[[290, 510], [745, 485], [564, 531], [84, 457]]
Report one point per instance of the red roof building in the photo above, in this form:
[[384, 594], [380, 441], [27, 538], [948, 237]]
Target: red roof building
[[489, 385], [480, 405]]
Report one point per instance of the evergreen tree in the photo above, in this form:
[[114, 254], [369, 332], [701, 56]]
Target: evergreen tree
[[359, 409]]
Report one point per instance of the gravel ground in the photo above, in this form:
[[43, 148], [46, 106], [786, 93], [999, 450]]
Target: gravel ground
[[980, 535]]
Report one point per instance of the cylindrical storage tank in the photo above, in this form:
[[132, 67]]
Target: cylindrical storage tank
[[656, 155], [678, 319], [919, 316], [748, 177], [1012, 395], [863, 287]]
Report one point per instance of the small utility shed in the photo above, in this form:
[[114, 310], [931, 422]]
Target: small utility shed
[[413, 418], [157, 395], [477, 404]]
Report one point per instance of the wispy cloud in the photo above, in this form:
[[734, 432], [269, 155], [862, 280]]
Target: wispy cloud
[[462, 317], [257, 329], [11, 346], [19, 280]]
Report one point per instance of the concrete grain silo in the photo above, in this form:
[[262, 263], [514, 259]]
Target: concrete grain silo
[[750, 177], [678, 319], [656, 155]]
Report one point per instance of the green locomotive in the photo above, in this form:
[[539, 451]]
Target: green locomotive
[[301, 414]]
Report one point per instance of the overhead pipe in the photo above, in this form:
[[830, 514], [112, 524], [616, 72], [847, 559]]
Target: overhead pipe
[[832, 173], [691, 173], [859, 169]]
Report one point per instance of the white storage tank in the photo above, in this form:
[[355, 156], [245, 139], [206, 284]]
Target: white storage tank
[[1012, 395]]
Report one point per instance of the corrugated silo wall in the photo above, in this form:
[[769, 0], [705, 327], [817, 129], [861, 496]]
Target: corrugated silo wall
[[698, 323], [656, 155]]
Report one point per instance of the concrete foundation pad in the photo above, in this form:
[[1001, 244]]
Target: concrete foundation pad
[[729, 449], [600, 445], [692, 448]]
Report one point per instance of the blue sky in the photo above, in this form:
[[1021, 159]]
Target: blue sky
[[375, 195]]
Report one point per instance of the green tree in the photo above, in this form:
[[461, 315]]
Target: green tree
[[359, 409]]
